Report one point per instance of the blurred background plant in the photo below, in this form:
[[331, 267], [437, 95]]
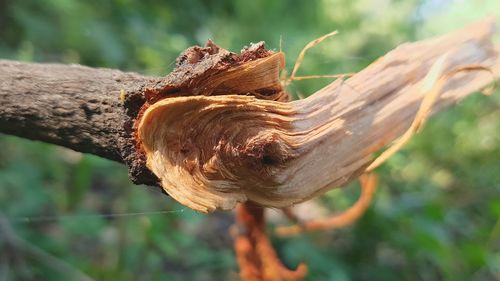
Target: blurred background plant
[[68, 216]]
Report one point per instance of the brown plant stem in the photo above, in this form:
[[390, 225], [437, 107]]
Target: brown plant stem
[[256, 256]]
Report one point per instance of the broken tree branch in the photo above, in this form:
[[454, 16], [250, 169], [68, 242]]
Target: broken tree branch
[[216, 131]]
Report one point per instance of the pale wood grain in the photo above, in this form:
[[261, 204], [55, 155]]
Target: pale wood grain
[[212, 152]]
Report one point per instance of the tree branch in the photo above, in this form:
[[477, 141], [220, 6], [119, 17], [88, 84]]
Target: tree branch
[[216, 131]]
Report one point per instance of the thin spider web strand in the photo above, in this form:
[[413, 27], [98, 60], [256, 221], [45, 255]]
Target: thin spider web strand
[[28, 219]]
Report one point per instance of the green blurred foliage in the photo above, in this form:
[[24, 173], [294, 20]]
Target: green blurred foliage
[[435, 215]]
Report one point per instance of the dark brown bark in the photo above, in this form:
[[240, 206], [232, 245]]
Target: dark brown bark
[[73, 106], [69, 105]]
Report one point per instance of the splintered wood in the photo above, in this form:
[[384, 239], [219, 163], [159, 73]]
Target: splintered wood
[[227, 145]]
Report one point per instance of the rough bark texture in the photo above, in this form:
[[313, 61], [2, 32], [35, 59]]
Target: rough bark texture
[[73, 106], [70, 105]]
